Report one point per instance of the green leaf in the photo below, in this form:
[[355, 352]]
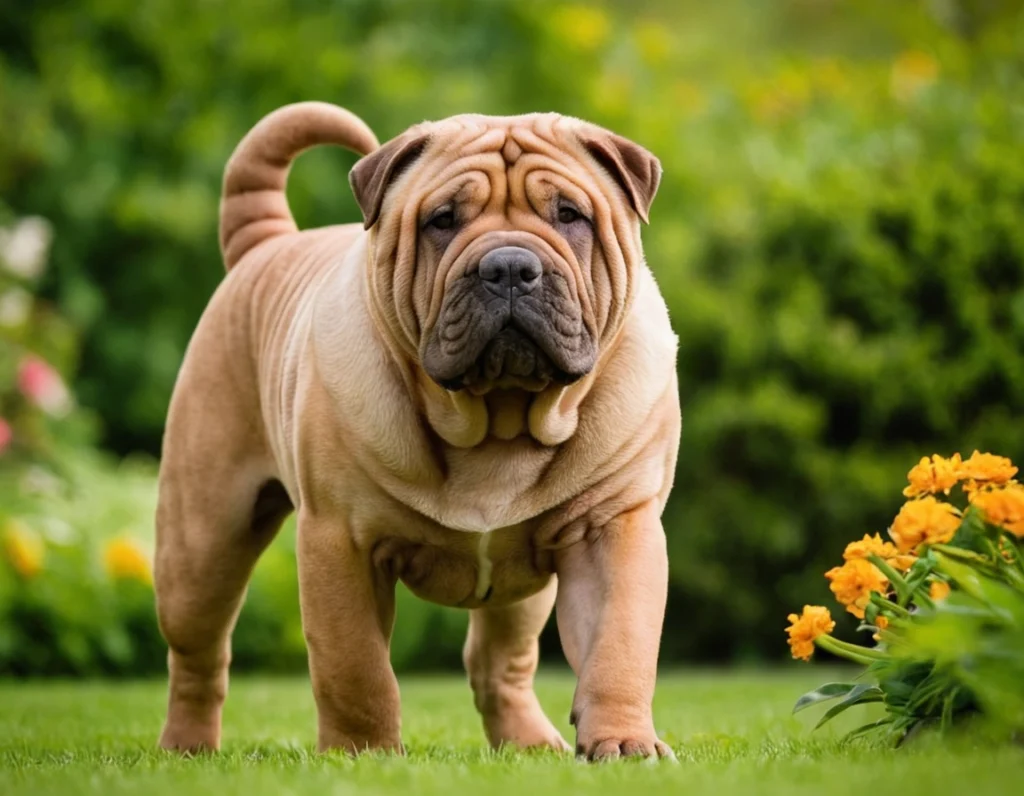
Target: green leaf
[[860, 695], [974, 580], [823, 694], [864, 729]]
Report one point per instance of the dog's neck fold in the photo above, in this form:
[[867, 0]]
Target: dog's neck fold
[[464, 421]]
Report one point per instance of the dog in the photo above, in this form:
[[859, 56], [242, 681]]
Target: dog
[[473, 392]]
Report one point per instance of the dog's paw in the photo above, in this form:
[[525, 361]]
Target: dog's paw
[[601, 749], [190, 740], [333, 742], [524, 727]]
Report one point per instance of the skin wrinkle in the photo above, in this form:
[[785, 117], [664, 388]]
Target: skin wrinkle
[[443, 174], [575, 264]]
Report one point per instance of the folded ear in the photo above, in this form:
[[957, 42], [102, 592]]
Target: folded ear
[[372, 175], [632, 166]]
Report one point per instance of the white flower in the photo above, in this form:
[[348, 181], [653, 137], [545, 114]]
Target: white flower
[[24, 246], [39, 481]]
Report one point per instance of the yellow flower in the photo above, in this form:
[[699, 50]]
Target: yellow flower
[[986, 468], [924, 521], [1003, 507], [125, 559], [803, 629], [654, 41], [930, 476], [939, 590], [874, 546], [911, 73], [24, 549], [853, 582], [581, 26]]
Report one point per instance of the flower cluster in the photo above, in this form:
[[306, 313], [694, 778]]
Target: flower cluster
[[941, 560], [25, 550], [870, 565], [31, 389]]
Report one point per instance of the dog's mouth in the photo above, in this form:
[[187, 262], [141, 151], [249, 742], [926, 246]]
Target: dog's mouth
[[491, 334], [511, 360]]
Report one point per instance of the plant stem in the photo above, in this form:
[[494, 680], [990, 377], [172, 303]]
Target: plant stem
[[895, 578], [851, 652], [883, 602]]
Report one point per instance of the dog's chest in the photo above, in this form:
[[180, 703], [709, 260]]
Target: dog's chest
[[481, 489], [466, 570], [471, 542]]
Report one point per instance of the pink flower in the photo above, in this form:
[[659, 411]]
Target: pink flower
[[5, 435], [43, 386]]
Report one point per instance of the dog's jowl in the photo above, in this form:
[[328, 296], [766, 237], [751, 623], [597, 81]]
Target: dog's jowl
[[473, 392]]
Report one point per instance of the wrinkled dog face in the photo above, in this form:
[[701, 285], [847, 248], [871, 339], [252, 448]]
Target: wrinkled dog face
[[505, 246]]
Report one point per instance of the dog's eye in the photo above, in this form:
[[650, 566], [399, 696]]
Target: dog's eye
[[566, 214], [442, 220]]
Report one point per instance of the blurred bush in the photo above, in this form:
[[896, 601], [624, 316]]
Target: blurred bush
[[838, 234]]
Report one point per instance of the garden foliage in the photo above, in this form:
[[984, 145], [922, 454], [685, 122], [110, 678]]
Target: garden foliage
[[838, 234]]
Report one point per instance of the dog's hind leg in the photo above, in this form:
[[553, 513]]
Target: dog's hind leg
[[219, 507], [501, 656]]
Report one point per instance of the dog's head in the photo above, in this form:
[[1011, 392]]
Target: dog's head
[[503, 249]]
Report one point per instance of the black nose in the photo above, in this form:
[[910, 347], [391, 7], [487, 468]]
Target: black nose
[[510, 271]]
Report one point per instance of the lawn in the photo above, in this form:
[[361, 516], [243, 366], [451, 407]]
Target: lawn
[[732, 732]]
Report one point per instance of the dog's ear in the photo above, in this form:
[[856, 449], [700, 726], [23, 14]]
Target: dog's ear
[[372, 175], [632, 166]]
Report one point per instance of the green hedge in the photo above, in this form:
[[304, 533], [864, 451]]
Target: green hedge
[[869, 311], [838, 235]]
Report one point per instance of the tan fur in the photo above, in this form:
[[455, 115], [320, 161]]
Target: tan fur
[[304, 372]]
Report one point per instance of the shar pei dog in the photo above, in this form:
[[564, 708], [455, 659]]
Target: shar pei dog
[[473, 391]]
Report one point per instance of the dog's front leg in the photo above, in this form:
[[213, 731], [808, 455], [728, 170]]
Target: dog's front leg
[[348, 610], [612, 588]]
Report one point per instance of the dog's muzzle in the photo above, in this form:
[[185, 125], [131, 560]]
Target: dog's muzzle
[[508, 323]]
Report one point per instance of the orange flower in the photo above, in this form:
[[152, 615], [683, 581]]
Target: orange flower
[[939, 590], [1003, 507], [986, 468], [881, 622], [934, 475], [813, 622], [874, 546], [125, 559], [924, 521], [853, 582]]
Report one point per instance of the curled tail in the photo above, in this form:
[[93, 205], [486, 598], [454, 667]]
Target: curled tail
[[253, 205]]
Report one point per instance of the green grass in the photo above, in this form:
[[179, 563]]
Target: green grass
[[733, 733]]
